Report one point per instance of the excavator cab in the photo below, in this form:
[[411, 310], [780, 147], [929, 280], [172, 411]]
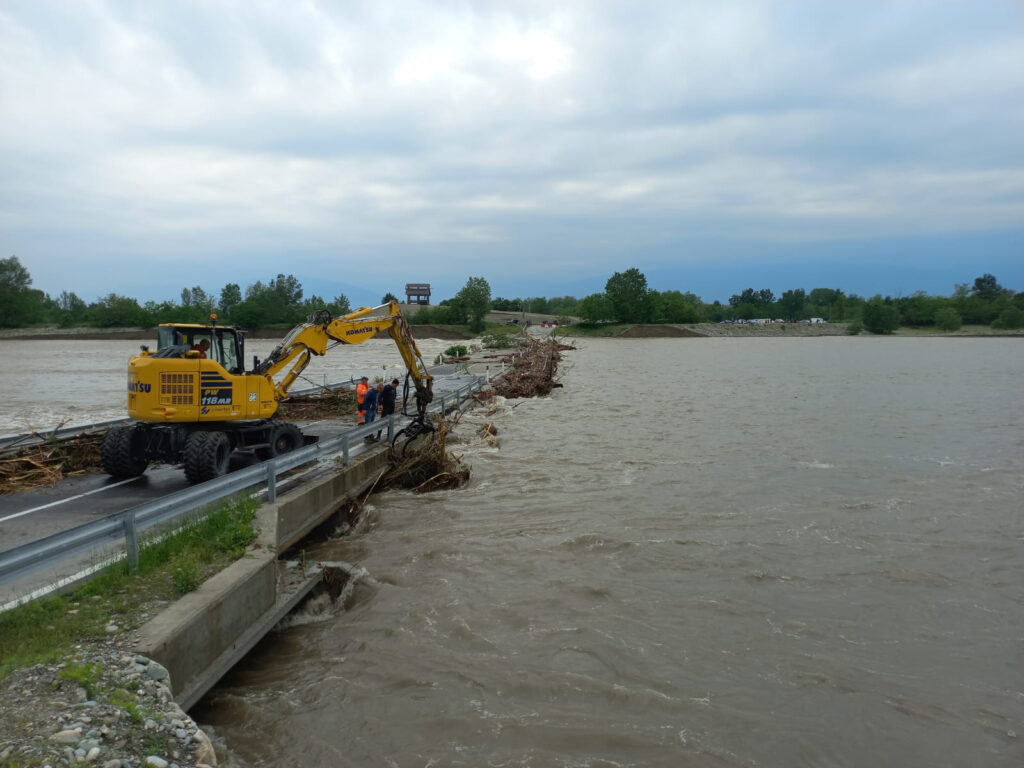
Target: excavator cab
[[225, 344]]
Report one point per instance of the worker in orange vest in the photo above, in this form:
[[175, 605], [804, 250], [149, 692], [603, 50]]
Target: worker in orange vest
[[361, 389]]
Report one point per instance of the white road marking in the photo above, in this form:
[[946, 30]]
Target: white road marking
[[69, 498]]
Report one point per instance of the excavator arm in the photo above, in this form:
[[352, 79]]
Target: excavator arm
[[294, 352]]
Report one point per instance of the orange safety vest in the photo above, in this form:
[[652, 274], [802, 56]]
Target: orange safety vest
[[361, 390]]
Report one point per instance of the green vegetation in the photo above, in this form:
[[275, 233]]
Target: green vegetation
[[44, 630], [456, 350], [502, 336], [948, 319], [85, 675], [475, 298], [627, 298], [880, 317]]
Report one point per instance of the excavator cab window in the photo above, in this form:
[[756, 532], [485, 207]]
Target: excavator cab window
[[227, 349], [225, 344]]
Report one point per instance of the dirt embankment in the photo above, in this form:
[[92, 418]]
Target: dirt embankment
[[659, 332], [772, 329], [82, 334]]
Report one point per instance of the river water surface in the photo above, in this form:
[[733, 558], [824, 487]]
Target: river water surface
[[704, 552]]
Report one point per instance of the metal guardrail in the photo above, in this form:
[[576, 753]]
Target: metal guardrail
[[98, 535]]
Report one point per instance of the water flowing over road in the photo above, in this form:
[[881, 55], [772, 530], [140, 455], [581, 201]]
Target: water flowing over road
[[709, 552]]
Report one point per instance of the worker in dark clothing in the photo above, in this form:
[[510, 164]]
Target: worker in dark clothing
[[387, 401], [370, 400]]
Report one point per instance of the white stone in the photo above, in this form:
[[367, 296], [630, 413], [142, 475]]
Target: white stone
[[67, 737]]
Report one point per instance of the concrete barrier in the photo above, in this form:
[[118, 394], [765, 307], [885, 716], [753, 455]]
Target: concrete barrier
[[201, 636]]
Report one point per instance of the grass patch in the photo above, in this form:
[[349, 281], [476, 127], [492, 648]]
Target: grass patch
[[86, 675], [43, 631]]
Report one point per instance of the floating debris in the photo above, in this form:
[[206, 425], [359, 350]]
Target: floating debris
[[533, 370]]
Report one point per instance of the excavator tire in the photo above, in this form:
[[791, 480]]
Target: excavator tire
[[194, 456], [118, 454], [284, 438], [206, 456]]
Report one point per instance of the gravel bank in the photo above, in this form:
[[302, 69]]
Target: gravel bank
[[105, 706]]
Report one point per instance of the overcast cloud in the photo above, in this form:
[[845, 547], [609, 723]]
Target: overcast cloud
[[869, 146]]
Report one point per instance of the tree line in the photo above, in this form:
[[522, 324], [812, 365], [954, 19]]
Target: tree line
[[277, 302], [626, 299]]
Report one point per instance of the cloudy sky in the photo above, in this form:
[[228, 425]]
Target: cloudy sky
[[876, 147]]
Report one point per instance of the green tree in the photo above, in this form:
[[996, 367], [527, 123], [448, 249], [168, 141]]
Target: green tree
[[675, 307], [475, 298], [277, 302], [340, 305], [507, 305], [389, 296], [596, 308], [563, 305], [71, 309], [113, 311], [19, 304], [919, 308], [230, 296], [1010, 318], [880, 316], [629, 296], [752, 297], [791, 304], [948, 319], [986, 287], [199, 305]]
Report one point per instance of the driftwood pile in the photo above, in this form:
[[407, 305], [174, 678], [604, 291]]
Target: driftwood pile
[[319, 405], [427, 464], [533, 370], [46, 463]]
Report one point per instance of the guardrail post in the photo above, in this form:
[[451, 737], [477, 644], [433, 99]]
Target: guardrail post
[[344, 448], [131, 542], [271, 466], [391, 427]]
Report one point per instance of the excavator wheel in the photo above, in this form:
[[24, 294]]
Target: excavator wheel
[[118, 454], [194, 455], [206, 456], [284, 438]]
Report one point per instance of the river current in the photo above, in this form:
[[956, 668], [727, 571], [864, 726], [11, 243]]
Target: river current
[[699, 552], [702, 552]]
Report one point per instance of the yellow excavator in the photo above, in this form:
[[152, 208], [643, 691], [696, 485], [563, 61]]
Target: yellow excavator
[[193, 403]]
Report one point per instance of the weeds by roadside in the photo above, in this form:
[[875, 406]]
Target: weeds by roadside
[[44, 630]]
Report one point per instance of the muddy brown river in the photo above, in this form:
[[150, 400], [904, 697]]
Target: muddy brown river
[[699, 552]]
